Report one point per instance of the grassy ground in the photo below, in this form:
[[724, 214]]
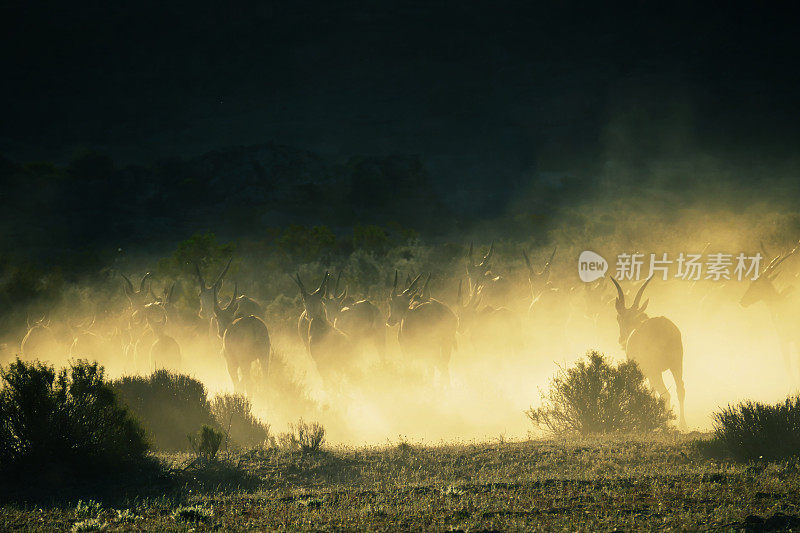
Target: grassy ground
[[593, 484]]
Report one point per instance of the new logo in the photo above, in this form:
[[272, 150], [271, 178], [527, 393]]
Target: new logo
[[591, 266]]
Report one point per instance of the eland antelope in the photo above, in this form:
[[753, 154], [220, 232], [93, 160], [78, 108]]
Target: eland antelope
[[488, 327], [542, 290], [40, 342], [496, 289], [782, 305], [245, 340], [427, 329], [328, 346]]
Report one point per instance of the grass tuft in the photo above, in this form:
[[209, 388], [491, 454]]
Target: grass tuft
[[194, 513]]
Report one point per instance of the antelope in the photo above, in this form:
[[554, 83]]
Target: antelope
[[246, 306], [360, 320], [164, 351], [496, 288], [541, 288], [137, 298], [653, 343], [326, 344], [427, 329], [144, 334], [424, 294], [333, 302], [488, 327], [166, 302], [40, 341], [245, 340], [781, 306], [208, 299], [88, 345], [165, 299], [136, 325]]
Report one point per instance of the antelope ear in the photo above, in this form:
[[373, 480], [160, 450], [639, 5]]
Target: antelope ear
[[644, 305]]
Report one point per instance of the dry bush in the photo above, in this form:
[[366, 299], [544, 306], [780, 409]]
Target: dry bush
[[303, 437], [596, 397], [233, 413], [754, 431], [206, 443], [170, 406]]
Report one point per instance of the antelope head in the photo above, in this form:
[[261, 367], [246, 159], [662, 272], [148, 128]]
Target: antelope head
[[82, 328], [165, 299], [468, 307], [539, 280], [762, 288], [155, 316], [629, 318], [314, 301], [225, 315], [424, 294], [479, 272], [399, 302], [207, 292], [43, 322], [137, 298]]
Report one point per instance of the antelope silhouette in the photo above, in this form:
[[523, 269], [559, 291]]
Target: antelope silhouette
[[653, 343]]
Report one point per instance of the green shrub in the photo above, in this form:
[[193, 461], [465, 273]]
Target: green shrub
[[751, 431], [596, 397], [302, 437], [234, 414], [170, 406], [207, 442], [67, 423]]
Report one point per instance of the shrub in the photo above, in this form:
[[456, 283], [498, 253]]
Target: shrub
[[207, 442], [750, 431], [88, 509], [170, 406], [90, 524], [302, 437], [596, 397], [194, 513], [233, 413], [68, 423]]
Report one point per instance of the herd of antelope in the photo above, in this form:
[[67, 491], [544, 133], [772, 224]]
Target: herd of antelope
[[334, 325]]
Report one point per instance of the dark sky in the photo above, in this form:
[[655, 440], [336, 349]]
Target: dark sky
[[474, 87]]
